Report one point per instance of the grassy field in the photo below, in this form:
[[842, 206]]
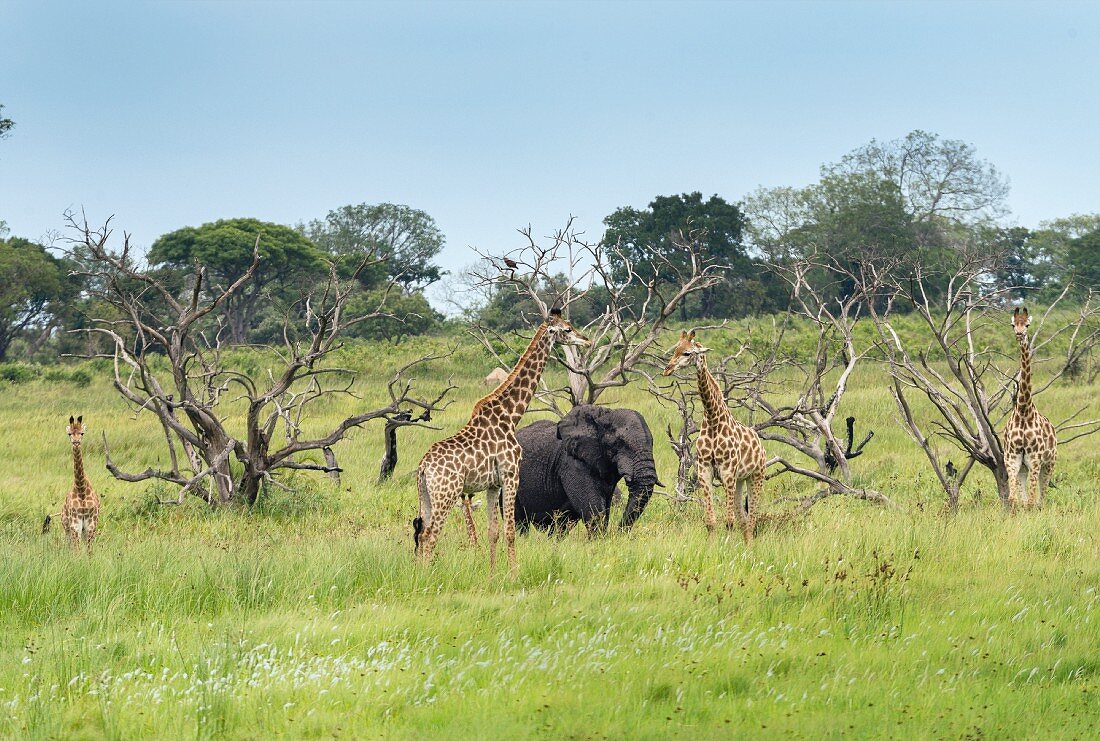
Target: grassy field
[[310, 618]]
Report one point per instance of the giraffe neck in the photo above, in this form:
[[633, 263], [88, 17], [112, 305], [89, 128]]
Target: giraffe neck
[[510, 399], [714, 403], [80, 481], [1023, 396]]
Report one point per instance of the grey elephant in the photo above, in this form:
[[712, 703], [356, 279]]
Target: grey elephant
[[570, 469]]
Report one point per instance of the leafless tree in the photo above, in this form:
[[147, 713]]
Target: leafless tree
[[759, 372], [628, 313], [197, 394], [968, 383]]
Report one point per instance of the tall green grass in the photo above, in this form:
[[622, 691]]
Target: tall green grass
[[309, 617]]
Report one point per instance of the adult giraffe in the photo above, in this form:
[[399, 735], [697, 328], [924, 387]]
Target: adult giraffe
[[725, 448], [484, 455], [1030, 440]]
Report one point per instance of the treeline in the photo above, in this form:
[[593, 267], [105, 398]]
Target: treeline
[[923, 200], [385, 250]]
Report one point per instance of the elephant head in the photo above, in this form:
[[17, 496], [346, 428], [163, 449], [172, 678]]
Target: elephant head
[[615, 444]]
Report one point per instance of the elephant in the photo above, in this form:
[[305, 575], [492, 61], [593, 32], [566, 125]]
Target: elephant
[[569, 470]]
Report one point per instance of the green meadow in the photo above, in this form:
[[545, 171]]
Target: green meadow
[[308, 616]]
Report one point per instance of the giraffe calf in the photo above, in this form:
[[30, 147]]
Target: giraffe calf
[[80, 513]]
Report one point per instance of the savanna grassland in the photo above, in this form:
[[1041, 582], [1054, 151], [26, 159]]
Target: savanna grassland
[[308, 617]]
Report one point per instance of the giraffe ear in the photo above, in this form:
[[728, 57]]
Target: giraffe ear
[[80, 419], [1016, 312], [1025, 313], [691, 336], [71, 420], [683, 334]]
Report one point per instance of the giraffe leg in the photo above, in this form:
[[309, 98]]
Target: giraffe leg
[[1044, 478], [1033, 483], [511, 486], [706, 485], [756, 490], [1013, 463], [492, 504], [471, 528], [442, 501], [734, 489], [90, 527]]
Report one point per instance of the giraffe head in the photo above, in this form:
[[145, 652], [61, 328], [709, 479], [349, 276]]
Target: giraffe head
[[75, 429], [561, 332], [685, 353], [1020, 322]]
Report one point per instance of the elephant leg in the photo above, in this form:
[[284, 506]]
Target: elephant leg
[[471, 527]]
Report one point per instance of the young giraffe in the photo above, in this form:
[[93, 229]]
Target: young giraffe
[[80, 513], [484, 455], [1030, 440], [725, 448]]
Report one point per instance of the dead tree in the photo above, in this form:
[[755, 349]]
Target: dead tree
[[831, 297], [197, 395], [956, 367], [630, 311]]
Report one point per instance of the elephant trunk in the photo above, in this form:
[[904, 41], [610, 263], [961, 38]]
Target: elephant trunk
[[640, 485]]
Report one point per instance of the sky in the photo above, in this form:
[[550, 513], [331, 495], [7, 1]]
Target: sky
[[493, 116]]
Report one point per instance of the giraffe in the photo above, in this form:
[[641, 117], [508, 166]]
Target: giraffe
[[725, 448], [80, 513], [484, 455], [1030, 440]]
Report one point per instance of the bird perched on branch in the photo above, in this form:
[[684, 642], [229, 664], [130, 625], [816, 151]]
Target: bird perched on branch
[[512, 264]]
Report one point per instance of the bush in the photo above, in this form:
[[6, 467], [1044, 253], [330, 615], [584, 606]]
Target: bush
[[18, 372]]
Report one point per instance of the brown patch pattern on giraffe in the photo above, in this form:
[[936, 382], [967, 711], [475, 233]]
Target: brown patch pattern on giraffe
[[80, 512], [725, 449], [1030, 441], [484, 455]]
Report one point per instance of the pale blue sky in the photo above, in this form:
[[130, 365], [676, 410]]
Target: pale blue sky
[[491, 116]]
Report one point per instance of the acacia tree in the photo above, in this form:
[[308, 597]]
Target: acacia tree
[[190, 390], [958, 373], [628, 309], [225, 248]]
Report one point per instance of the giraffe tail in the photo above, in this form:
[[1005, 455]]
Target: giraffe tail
[[421, 522], [46, 523]]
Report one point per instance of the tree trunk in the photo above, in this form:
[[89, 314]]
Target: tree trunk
[[389, 457]]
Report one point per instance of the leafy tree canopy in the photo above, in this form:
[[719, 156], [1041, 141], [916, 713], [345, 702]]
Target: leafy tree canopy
[[406, 238], [32, 284], [1084, 259], [287, 260]]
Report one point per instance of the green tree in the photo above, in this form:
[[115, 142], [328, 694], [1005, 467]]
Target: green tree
[[1084, 259], [405, 238], [638, 234], [288, 262], [33, 286]]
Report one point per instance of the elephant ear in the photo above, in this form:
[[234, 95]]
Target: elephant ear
[[580, 435]]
